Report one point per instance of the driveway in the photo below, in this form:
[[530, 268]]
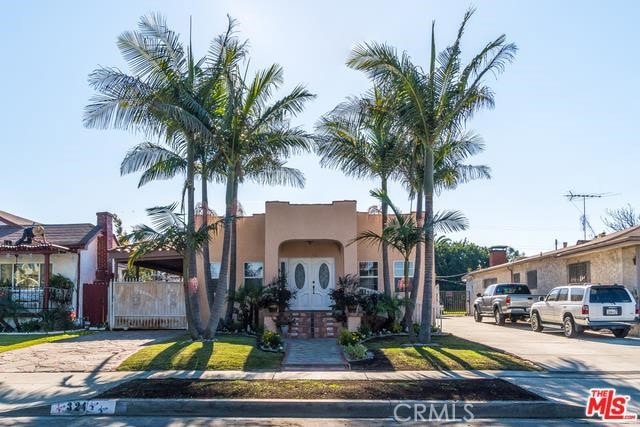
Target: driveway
[[550, 349], [100, 351]]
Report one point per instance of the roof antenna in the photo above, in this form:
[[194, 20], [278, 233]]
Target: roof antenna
[[583, 219]]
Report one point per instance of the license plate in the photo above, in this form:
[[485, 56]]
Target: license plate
[[612, 311]]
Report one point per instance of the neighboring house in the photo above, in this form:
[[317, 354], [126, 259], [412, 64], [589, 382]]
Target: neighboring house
[[32, 252], [607, 259]]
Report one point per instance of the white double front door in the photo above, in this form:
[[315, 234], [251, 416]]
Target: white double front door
[[312, 279]]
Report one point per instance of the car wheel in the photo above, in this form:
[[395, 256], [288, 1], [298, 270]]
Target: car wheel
[[476, 315], [498, 317], [569, 327], [514, 319], [536, 324], [620, 333]]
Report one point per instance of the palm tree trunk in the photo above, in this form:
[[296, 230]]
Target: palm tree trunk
[[417, 267], [190, 272], [406, 288], [385, 246], [233, 262], [206, 257], [193, 333], [427, 296], [217, 310]]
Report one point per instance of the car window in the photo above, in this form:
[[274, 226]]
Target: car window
[[489, 290], [515, 289], [553, 295], [608, 294], [563, 295], [577, 294]]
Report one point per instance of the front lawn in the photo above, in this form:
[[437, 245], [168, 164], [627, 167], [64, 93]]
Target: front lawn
[[14, 342], [226, 353], [450, 353]]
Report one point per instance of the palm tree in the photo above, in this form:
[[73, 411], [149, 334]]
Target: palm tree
[[168, 231], [433, 103], [450, 171], [256, 139], [362, 138], [404, 235], [159, 100]]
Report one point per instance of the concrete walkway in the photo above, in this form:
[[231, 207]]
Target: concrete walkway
[[313, 354], [100, 351]]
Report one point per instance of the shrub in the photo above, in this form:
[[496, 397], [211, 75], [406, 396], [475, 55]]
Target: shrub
[[356, 351], [271, 339], [396, 328], [33, 325], [58, 319], [347, 337], [345, 297], [416, 328], [364, 330]]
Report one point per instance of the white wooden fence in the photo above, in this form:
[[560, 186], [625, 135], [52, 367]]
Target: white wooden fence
[[147, 305]]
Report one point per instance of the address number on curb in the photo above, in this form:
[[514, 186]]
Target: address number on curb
[[84, 407]]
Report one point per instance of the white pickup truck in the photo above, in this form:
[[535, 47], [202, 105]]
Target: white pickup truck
[[586, 306]]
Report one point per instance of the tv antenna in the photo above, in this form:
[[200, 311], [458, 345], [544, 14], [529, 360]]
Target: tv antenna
[[583, 219]]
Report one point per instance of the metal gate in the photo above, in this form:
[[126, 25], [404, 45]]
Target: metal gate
[[147, 305], [94, 303], [454, 302]]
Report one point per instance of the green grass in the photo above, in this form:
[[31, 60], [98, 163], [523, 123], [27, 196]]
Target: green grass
[[226, 353], [14, 342], [451, 353]]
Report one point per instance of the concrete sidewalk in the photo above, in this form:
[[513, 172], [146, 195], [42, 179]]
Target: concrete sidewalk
[[20, 390]]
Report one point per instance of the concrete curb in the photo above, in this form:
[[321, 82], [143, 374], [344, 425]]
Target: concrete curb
[[380, 409]]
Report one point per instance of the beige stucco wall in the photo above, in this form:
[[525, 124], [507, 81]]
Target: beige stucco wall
[[288, 230], [606, 266]]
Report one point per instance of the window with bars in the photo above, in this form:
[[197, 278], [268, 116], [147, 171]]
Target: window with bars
[[516, 277], [579, 272], [532, 279]]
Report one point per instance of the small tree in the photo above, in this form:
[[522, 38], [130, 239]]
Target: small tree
[[621, 218], [169, 230], [403, 234]]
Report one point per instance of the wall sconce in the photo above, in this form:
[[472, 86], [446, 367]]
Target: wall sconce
[[634, 260]]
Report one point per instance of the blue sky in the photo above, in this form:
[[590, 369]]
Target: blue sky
[[565, 117]]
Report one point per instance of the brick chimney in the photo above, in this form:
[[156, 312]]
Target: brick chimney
[[105, 242], [497, 255]]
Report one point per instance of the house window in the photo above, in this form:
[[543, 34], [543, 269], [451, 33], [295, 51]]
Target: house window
[[516, 277], [6, 275], [489, 282], [579, 272], [398, 275], [369, 275], [23, 275], [253, 274], [532, 279], [215, 272]]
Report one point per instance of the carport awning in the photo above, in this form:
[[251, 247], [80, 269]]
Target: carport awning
[[165, 260]]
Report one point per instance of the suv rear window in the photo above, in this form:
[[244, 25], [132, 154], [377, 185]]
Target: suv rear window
[[577, 294], [512, 289], [609, 294]]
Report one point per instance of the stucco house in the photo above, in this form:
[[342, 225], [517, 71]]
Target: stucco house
[[312, 245], [32, 252], [607, 259]]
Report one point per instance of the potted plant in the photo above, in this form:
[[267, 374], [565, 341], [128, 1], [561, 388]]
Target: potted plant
[[279, 295], [345, 297]]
